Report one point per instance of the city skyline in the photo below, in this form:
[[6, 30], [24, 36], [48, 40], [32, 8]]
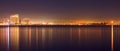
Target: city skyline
[[62, 10], [15, 19], [59, 25]]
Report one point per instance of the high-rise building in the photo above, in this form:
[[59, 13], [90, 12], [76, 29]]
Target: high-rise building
[[25, 21], [14, 19]]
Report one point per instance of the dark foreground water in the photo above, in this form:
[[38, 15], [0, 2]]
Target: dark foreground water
[[59, 39]]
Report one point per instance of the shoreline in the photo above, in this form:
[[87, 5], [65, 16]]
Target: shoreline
[[57, 25]]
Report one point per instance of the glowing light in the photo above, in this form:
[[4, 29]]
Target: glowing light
[[15, 19], [15, 15], [8, 20], [112, 22], [112, 37], [44, 23], [51, 23], [71, 24]]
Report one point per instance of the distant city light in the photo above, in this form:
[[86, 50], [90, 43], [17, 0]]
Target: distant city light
[[44, 23], [15, 15], [112, 22], [16, 20], [51, 23]]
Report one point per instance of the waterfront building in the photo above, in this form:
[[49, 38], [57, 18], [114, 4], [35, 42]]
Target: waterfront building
[[14, 19], [25, 21]]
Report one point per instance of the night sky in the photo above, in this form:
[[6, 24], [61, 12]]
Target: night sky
[[62, 10]]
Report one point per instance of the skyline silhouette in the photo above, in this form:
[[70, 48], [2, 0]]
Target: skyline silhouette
[[62, 10]]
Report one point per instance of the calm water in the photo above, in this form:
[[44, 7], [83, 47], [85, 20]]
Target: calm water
[[58, 39]]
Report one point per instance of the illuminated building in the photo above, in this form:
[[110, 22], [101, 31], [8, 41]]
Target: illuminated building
[[1, 22], [14, 19], [25, 21], [4, 20]]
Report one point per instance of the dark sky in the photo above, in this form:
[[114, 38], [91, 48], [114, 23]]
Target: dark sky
[[62, 10]]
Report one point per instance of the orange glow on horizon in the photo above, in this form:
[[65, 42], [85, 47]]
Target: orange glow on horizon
[[112, 22]]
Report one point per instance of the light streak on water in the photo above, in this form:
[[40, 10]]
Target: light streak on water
[[8, 33], [43, 37], [112, 38]]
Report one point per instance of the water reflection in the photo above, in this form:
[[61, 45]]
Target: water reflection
[[116, 38], [37, 37], [79, 32], [56, 38], [112, 38], [25, 38], [71, 35], [43, 37], [4, 39], [14, 38]]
